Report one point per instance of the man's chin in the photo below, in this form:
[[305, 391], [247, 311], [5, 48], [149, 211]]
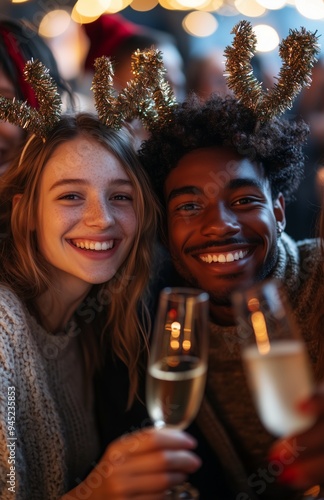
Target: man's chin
[[219, 295]]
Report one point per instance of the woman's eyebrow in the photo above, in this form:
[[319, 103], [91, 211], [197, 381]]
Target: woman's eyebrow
[[113, 182], [63, 182]]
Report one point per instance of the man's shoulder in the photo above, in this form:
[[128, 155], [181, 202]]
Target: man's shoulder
[[308, 245], [309, 251]]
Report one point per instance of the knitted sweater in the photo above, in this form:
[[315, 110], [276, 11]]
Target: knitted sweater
[[232, 442], [227, 417], [48, 436]]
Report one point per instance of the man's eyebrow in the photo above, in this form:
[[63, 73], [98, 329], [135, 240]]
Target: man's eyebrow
[[245, 182], [183, 190], [65, 182], [233, 184]]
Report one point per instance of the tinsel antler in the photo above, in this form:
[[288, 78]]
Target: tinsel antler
[[148, 96], [298, 53], [38, 121]]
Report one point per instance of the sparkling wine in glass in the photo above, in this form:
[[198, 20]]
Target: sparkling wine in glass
[[178, 363], [275, 359]]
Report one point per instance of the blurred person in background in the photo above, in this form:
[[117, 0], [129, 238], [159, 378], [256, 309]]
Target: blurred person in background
[[115, 37], [19, 42], [303, 212], [205, 75]]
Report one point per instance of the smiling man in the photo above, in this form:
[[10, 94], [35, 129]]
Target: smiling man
[[223, 179]]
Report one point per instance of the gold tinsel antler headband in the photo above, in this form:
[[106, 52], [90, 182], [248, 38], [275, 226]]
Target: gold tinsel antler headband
[[148, 96], [298, 52], [38, 121]]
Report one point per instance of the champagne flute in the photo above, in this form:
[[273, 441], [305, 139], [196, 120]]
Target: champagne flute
[[177, 365], [275, 360]]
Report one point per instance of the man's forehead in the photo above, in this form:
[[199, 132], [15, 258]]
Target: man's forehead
[[220, 165]]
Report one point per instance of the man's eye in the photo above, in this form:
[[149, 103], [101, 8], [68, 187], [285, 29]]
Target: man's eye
[[243, 201], [187, 207]]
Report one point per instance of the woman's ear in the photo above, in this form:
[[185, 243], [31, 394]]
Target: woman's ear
[[279, 211]]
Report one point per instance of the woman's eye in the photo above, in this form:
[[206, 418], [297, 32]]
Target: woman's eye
[[122, 197], [70, 196]]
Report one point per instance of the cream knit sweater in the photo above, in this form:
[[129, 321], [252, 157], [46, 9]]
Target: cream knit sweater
[[48, 437]]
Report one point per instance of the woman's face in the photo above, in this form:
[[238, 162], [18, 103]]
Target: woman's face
[[10, 135], [86, 223]]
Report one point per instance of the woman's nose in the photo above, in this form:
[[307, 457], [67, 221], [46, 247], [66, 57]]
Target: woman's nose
[[99, 214]]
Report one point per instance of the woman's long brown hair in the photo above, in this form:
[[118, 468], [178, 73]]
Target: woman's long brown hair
[[123, 315]]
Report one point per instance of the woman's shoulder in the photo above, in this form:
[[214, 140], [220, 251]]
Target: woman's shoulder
[[8, 298], [12, 309]]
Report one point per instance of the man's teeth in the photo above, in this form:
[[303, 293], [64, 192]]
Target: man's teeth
[[94, 245], [223, 257]]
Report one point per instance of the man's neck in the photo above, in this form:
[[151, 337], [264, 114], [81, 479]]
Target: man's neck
[[222, 315]]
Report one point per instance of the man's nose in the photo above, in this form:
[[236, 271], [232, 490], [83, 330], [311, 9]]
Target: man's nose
[[219, 220]]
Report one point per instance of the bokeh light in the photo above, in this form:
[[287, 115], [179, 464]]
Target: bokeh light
[[267, 38], [250, 8], [312, 9], [143, 5], [200, 24], [272, 4], [54, 23], [93, 8], [193, 4]]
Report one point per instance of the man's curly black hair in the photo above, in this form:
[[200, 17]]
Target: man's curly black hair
[[277, 145]]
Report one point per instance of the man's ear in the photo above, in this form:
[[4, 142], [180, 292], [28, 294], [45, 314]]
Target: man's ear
[[279, 206]]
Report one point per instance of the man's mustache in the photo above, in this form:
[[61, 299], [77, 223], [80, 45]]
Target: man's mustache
[[212, 244]]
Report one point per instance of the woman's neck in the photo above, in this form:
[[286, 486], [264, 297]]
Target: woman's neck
[[57, 308]]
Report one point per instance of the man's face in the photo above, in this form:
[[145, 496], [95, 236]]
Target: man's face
[[221, 223]]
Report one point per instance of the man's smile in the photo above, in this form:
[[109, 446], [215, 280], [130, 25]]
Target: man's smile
[[223, 257]]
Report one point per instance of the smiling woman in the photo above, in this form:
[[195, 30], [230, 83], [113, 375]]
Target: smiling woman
[[78, 220]]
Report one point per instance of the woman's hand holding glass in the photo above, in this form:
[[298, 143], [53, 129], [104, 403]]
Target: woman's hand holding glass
[[143, 464], [178, 363]]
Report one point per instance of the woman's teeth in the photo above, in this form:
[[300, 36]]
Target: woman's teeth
[[94, 245]]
